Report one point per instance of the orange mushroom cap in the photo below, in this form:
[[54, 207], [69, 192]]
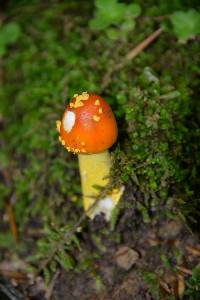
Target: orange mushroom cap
[[88, 125]]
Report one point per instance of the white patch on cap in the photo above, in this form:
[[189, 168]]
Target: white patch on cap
[[69, 121]]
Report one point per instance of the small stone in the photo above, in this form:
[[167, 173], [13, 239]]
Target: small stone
[[126, 257], [170, 229]]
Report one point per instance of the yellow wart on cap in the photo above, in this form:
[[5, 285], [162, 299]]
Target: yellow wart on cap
[[96, 118], [100, 111], [78, 104], [58, 124], [79, 98], [61, 141], [97, 102], [85, 96]]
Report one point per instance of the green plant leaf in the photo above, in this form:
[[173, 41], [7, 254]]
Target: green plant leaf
[[2, 47], [193, 284], [66, 260], [112, 33], [134, 10], [105, 4], [100, 22], [9, 34], [128, 25], [108, 13], [186, 25]]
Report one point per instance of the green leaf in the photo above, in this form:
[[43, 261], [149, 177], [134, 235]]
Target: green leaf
[[4, 159], [152, 282], [105, 4], [108, 13], [134, 10], [100, 22], [193, 284], [66, 260], [112, 33], [10, 32], [4, 192], [128, 25], [47, 275], [186, 25], [2, 47]]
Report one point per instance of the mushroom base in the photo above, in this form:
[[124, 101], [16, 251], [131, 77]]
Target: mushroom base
[[94, 171]]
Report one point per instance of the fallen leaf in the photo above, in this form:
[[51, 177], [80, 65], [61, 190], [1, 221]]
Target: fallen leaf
[[126, 257], [181, 286], [193, 251]]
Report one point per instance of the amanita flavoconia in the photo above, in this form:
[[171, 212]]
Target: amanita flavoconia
[[88, 128]]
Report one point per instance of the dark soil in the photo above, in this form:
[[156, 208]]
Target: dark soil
[[151, 241]]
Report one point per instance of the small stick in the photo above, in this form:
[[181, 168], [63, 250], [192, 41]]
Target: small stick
[[12, 221], [130, 55], [180, 287], [16, 275], [193, 251], [50, 288], [9, 207], [139, 48], [164, 285], [184, 270]]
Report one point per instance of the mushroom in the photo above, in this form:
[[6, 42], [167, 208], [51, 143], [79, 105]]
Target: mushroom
[[88, 128]]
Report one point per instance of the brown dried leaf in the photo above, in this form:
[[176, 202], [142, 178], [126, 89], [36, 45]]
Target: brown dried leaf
[[164, 286], [193, 251], [181, 286], [184, 270]]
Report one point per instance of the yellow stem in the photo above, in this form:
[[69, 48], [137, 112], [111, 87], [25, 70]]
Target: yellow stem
[[94, 171]]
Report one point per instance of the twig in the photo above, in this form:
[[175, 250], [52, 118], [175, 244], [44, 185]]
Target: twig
[[50, 288], [132, 54], [180, 287], [164, 285], [16, 275], [9, 207], [193, 251], [12, 221], [184, 270], [156, 18]]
